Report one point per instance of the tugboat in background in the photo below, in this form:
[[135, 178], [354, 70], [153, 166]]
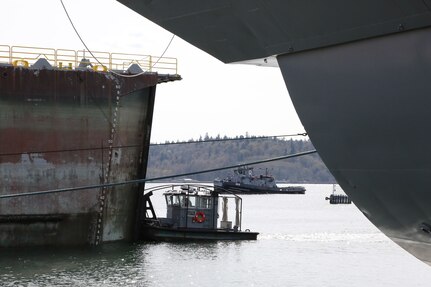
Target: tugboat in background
[[245, 182]]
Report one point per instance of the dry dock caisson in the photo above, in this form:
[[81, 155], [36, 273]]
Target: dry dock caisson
[[65, 121]]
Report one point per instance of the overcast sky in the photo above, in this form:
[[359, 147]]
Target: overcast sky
[[213, 97]]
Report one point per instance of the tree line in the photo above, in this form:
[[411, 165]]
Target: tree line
[[208, 152]]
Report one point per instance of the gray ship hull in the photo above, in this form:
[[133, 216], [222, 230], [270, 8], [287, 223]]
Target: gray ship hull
[[359, 76], [366, 108]]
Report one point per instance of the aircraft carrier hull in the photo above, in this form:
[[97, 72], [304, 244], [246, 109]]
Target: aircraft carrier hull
[[358, 73], [70, 128], [366, 108]]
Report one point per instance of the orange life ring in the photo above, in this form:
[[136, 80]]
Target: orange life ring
[[199, 217]]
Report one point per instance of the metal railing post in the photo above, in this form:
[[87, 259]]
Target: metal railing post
[[150, 64]]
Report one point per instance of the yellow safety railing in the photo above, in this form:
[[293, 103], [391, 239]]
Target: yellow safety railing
[[4, 53], [66, 59], [25, 56], [70, 59]]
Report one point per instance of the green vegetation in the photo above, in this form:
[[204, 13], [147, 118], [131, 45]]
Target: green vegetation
[[172, 159]]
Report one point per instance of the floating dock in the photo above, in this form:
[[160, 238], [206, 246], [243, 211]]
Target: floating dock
[[67, 121]]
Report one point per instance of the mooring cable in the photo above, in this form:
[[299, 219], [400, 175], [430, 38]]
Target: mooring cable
[[142, 180]]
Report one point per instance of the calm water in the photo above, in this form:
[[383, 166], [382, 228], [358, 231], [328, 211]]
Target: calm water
[[303, 241]]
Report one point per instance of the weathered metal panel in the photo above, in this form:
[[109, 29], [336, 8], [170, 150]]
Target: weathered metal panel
[[61, 129]]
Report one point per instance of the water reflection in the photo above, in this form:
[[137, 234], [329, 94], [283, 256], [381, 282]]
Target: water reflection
[[302, 241], [69, 266], [118, 264]]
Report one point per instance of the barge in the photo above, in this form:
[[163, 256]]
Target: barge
[[71, 120]]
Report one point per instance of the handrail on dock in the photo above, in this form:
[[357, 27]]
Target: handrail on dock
[[70, 59]]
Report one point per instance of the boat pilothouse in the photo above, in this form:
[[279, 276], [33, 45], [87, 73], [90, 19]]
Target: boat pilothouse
[[190, 207], [193, 213]]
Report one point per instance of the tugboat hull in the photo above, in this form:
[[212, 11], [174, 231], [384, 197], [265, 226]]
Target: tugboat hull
[[168, 234]]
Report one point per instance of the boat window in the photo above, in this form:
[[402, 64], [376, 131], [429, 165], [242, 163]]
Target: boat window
[[183, 200], [187, 201], [175, 200], [204, 202], [168, 200], [192, 201]]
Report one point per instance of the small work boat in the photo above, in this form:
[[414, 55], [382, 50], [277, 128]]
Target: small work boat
[[192, 214]]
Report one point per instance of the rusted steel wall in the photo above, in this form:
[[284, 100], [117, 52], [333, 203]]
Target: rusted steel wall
[[63, 129]]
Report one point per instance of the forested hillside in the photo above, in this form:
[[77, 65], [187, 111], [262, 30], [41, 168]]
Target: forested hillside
[[169, 159]]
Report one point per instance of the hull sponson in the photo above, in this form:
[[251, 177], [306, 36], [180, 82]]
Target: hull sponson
[[366, 106], [234, 31], [63, 129]]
